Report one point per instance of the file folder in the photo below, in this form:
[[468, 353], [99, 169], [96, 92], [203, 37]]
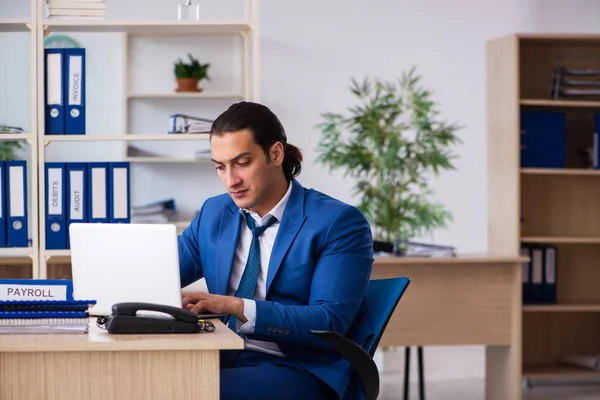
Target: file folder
[[550, 274], [77, 195], [537, 274], [98, 199], [543, 139], [526, 252], [3, 190], [74, 88], [56, 237], [16, 180], [596, 149], [119, 203], [54, 99]]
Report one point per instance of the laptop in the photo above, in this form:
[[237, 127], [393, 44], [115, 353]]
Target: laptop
[[114, 263]]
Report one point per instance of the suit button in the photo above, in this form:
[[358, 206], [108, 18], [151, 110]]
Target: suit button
[[268, 329], [286, 331], [280, 330]]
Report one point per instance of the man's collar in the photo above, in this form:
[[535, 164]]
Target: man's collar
[[276, 211]]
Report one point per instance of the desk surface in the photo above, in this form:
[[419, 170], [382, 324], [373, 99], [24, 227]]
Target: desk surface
[[97, 339], [481, 258]]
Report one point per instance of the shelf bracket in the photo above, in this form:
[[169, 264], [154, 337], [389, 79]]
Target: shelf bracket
[[46, 143], [46, 33], [28, 27]]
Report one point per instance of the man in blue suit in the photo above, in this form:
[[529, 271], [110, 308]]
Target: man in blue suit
[[281, 259]]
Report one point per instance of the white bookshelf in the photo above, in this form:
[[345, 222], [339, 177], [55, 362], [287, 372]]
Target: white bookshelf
[[36, 261], [15, 25], [182, 95], [23, 262], [151, 28]]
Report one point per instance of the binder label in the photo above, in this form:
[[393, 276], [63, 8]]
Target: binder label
[[17, 192], [55, 193], [120, 206], [53, 72], [32, 292], [75, 63], [99, 206], [76, 195]]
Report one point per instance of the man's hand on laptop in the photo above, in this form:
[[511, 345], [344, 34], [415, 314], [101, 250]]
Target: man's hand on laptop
[[214, 303]]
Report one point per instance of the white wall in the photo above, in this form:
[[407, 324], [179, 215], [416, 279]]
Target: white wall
[[310, 49]]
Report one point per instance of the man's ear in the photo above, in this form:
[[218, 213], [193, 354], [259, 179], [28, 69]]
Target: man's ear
[[277, 152]]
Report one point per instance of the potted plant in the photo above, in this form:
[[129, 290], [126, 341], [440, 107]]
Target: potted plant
[[390, 144], [188, 75]]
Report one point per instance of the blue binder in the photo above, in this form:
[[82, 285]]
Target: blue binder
[[56, 220], [98, 188], [77, 195], [119, 192], [542, 139], [16, 180], [3, 197], [54, 98], [74, 89]]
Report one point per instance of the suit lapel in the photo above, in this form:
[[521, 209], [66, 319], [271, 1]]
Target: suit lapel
[[291, 222], [229, 231]]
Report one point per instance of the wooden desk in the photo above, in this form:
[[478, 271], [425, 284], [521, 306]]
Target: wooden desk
[[467, 300], [104, 367]]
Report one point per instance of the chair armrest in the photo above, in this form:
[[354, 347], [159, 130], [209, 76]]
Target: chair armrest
[[358, 358]]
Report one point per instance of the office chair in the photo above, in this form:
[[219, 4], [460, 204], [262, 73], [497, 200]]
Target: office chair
[[359, 345]]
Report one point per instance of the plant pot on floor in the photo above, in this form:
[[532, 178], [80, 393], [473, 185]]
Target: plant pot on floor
[[187, 85]]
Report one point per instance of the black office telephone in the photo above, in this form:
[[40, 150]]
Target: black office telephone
[[125, 319]]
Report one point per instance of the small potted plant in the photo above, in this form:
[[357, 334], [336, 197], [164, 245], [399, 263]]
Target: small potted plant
[[188, 75]]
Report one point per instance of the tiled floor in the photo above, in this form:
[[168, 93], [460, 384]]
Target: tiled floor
[[457, 373]]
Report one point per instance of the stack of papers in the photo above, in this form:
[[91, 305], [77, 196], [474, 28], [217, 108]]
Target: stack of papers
[[44, 316], [79, 9]]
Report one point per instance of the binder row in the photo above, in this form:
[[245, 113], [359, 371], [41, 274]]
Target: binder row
[[539, 274], [93, 192], [64, 94], [543, 140], [13, 204]]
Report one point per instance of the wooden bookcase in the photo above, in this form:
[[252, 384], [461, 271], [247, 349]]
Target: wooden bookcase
[[558, 207]]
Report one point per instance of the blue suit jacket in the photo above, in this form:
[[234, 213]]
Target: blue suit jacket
[[317, 277]]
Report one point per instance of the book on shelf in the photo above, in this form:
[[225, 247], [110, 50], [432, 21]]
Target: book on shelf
[[160, 212], [64, 9]]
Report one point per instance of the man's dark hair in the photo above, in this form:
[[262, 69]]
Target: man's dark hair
[[266, 129]]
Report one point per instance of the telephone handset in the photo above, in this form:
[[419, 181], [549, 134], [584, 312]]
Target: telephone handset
[[125, 319]]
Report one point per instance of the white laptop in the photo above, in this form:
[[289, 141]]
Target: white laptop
[[114, 263]]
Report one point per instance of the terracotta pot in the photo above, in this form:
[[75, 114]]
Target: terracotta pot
[[187, 85]]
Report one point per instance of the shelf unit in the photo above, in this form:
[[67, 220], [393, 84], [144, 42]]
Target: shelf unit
[[558, 206], [53, 264], [23, 262]]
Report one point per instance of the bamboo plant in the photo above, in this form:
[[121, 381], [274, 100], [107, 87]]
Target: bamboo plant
[[391, 143]]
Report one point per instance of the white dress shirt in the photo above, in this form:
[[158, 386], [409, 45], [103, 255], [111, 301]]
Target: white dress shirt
[[266, 241]]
